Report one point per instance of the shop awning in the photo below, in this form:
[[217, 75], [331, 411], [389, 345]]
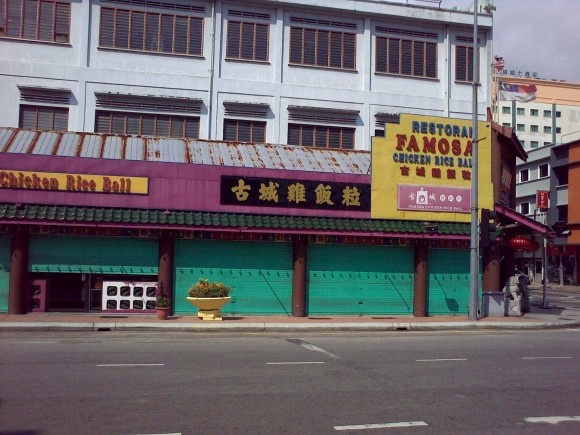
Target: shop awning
[[60, 215], [520, 220]]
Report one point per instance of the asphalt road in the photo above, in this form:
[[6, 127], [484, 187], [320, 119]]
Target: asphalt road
[[568, 297], [188, 383]]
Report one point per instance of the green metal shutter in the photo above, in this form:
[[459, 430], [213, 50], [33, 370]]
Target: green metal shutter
[[93, 254], [260, 274], [449, 281], [4, 271], [359, 279]]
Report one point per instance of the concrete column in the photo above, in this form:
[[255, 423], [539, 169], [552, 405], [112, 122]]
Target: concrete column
[[166, 256], [18, 299], [300, 248], [421, 280]]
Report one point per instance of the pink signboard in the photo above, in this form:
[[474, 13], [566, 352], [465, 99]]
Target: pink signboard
[[419, 197]]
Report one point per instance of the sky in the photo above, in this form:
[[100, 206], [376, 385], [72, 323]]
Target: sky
[[541, 36]]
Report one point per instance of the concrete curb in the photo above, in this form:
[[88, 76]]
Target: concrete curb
[[280, 327]]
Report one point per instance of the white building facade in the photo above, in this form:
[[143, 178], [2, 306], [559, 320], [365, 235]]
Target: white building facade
[[326, 74]]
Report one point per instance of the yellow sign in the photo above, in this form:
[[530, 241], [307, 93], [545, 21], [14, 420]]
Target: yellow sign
[[422, 169], [26, 180]]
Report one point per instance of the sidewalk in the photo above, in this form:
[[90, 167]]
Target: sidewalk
[[537, 318]]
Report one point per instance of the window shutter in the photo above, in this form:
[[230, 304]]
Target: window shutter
[[293, 134], [118, 122], [394, 56], [133, 123], [62, 22], [27, 117], [29, 27], [122, 30], [406, 57], [60, 119], [45, 118], [307, 135], [167, 33], [247, 40], [259, 132], [321, 137], [296, 47], [262, 42], [431, 59], [323, 51], [196, 36], [152, 32], [349, 51], [309, 47], [14, 23], [233, 43], [192, 127], [381, 55], [181, 37], [148, 125], [103, 122], [230, 130], [418, 58], [137, 30], [177, 127], [107, 32]]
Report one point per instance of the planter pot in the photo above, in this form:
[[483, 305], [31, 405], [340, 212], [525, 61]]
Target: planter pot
[[209, 308], [162, 312]]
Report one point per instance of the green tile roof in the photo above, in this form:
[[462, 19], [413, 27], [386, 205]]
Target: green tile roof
[[54, 214]]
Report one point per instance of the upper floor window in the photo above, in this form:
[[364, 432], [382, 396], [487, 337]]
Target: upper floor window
[[407, 57], [543, 170], [534, 128], [534, 144], [521, 111], [247, 40], [558, 130], [547, 129], [506, 110], [464, 60], [44, 108], [245, 131], [322, 47], [36, 20], [525, 208], [524, 175], [146, 124], [534, 112], [547, 113], [558, 114], [321, 136], [43, 117], [152, 31], [521, 127]]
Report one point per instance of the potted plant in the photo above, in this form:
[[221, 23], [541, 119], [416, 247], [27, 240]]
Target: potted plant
[[209, 297], [162, 303]]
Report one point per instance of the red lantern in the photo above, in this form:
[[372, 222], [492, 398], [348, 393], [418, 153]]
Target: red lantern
[[523, 244]]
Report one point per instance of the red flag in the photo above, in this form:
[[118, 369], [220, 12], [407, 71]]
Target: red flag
[[498, 64]]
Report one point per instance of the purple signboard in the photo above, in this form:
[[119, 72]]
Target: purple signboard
[[419, 197]]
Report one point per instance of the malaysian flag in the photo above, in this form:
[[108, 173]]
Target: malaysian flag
[[521, 93]]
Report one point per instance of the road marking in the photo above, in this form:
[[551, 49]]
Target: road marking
[[381, 426], [551, 420], [295, 362], [128, 365], [441, 359], [311, 347], [546, 357]]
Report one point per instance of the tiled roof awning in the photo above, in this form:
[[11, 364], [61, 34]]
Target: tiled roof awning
[[34, 214], [521, 220]]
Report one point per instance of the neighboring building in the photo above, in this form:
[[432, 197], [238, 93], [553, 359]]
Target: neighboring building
[[264, 71], [553, 116]]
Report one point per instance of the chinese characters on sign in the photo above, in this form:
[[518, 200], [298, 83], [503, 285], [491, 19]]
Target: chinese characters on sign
[[542, 199], [277, 192], [433, 198]]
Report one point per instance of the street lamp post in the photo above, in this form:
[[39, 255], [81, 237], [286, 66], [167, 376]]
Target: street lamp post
[[474, 245]]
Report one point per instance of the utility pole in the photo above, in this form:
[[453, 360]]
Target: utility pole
[[474, 247]]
